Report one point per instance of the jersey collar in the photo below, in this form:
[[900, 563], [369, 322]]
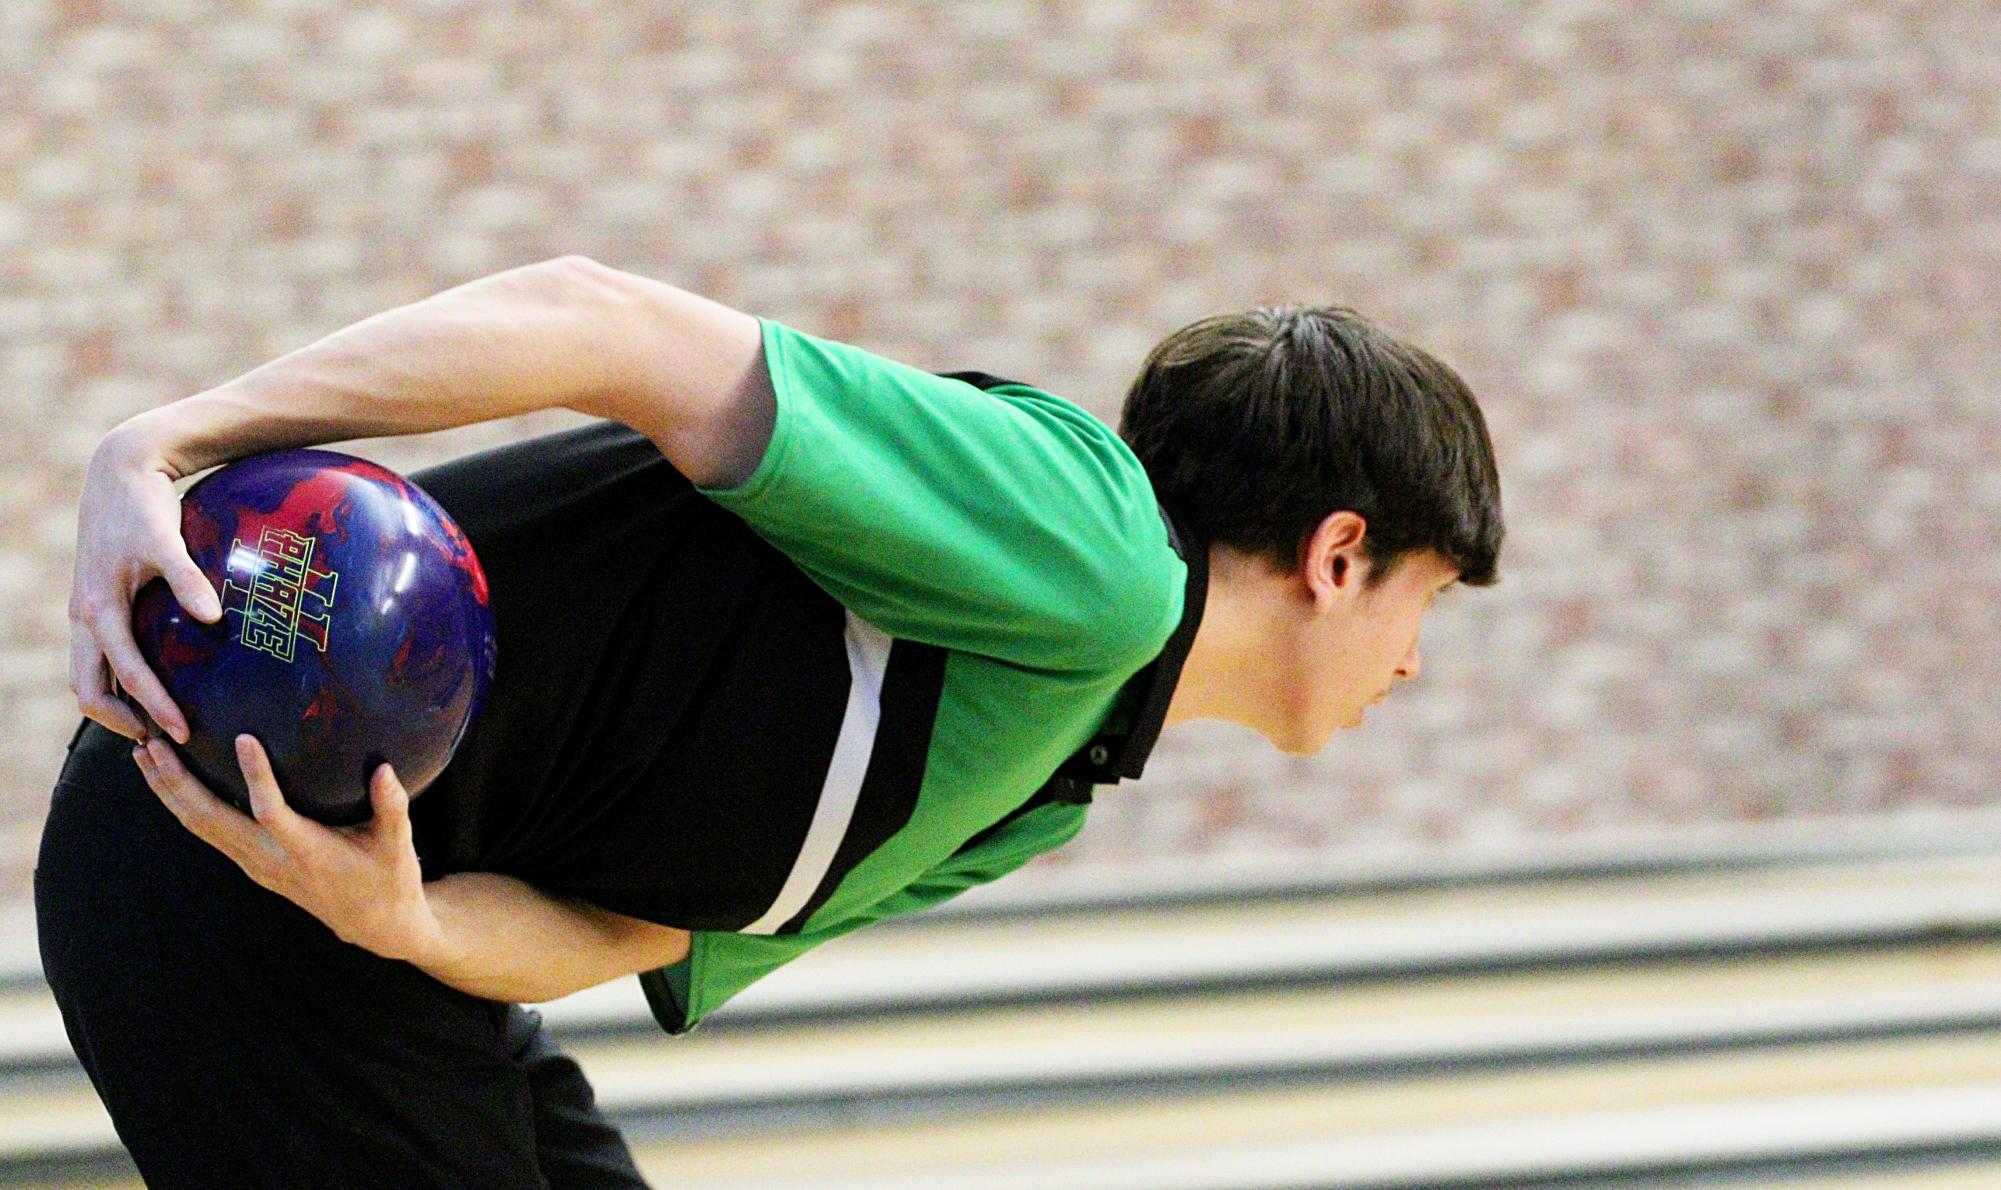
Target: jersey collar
[[1122, 744]]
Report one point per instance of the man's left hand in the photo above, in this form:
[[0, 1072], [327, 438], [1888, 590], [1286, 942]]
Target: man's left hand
[[363, 881]]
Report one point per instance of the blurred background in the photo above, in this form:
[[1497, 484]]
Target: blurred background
[[1722, 272]]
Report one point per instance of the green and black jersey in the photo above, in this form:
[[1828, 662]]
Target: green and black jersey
[[886, 668]]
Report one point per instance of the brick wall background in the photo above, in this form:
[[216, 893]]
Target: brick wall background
[[1724, 273]]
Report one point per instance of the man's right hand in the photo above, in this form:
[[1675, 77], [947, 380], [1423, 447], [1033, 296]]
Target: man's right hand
[[128, 532]]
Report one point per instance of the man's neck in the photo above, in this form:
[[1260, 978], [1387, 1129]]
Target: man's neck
[[1220, 678]]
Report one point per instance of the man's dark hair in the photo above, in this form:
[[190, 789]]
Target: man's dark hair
[[1255, 426]]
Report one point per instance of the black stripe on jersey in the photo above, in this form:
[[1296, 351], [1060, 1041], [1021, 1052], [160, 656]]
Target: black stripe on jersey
[[981, 380], [912, 683]]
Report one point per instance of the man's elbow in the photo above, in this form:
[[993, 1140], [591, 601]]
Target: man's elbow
[[641, 945], [687, 372]]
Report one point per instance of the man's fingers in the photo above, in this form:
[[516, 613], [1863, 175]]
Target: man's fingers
[[130, 671], [202, 812], [192, 588], [136, 676], [90, 682], [267, 801], [392, 804]]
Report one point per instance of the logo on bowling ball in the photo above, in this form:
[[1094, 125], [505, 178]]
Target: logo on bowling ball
[[273, 606]]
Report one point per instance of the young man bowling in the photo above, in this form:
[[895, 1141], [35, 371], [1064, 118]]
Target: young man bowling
[[792, 638]]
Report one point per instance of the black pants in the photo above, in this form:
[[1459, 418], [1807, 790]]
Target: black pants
[[236, 1042]]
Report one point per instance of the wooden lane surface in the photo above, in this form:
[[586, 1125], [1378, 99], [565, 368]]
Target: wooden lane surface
[[1365, 1027], [1442, 928], [1372, 1028], [1401, 1129]]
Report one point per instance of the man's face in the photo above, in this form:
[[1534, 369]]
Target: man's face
[[1358, 642]]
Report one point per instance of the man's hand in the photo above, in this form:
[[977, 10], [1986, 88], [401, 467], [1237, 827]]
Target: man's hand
[[363, 881], [128, 530]]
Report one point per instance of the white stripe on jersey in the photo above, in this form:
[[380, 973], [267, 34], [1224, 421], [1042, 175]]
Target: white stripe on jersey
[[868, 657]]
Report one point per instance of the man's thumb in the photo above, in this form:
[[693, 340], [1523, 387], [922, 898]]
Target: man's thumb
[[390, 796], [192, 590]]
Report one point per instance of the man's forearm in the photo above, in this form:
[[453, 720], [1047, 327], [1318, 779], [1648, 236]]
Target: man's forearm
[[530, 338], [570, 333], [504, 939]]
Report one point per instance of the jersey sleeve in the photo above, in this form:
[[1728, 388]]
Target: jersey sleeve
[[1005, 521], [721, 964]]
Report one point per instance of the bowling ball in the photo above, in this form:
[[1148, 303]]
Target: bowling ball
[[356, 629]]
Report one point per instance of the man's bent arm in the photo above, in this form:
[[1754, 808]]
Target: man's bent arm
[[504, 939], [563, 333]]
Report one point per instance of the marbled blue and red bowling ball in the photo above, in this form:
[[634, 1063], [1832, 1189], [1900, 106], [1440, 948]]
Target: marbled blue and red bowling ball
[[356, 629]]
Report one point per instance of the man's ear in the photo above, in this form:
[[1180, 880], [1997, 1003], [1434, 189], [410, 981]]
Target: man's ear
[[1332, 558]]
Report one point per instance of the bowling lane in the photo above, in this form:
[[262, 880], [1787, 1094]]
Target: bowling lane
[[1448, 926], [1407, 1130], [1980, 1176], [1380, 1026]]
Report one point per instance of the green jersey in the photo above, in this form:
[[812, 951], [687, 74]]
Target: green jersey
[[1008, 586]]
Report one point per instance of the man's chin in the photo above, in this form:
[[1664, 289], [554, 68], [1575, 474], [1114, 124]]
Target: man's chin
[[1298, 745], [1312, 746]]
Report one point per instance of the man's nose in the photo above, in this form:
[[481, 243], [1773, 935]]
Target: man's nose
[[1410, 665]]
